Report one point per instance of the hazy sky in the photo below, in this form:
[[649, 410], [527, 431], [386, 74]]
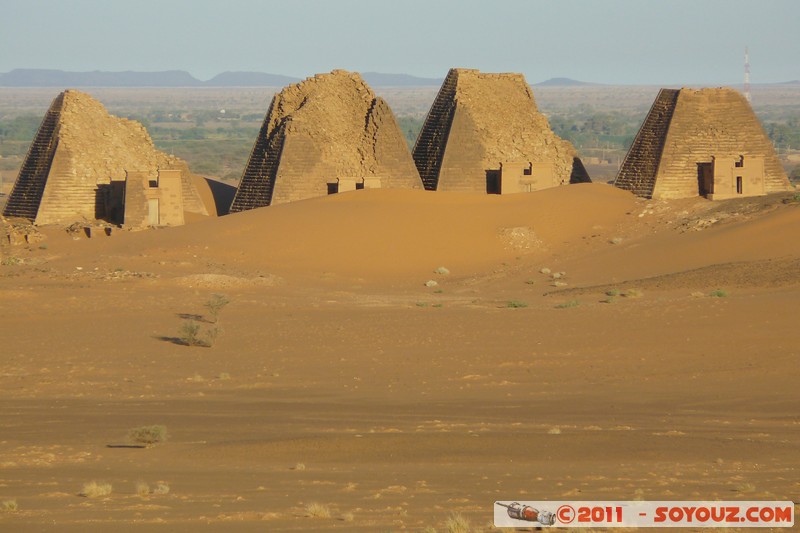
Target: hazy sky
[[606, 41]]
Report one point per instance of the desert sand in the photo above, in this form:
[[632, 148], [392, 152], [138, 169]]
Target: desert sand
[[340, 379]]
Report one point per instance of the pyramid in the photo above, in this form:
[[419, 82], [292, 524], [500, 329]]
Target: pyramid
[[328, 133], [705, 142], [79, 155], [484, 133]]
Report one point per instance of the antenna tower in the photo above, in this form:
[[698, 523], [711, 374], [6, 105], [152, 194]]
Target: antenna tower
[[747, 75]]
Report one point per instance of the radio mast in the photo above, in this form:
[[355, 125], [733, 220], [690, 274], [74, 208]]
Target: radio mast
[[747, 75]]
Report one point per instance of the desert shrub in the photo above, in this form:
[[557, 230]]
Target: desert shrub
[[9, 506], [142, 489], [161, 488], [612, 292], [190, 333], [566, 305], [93, 489], [148, 435], [633, 293], [719, 293], [456, 523], [318, 510], [515, 304], [215, 304]]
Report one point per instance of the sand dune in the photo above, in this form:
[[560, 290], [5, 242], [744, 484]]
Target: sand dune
[[337, 377], [386, 233]]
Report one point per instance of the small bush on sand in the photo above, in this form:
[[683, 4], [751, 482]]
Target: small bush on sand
[[633, 293], [318, 510], [93, 489], [9, 506], [612, 292], [567, 305], [161, 488], [215, 304], [148, 435], [190, 333], [142, 489], [719, 293], [515, 304], [457, 524]]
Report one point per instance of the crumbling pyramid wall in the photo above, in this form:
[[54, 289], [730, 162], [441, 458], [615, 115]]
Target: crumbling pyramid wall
[[480, 120], [78, 149], [324, 128], [686, 127]]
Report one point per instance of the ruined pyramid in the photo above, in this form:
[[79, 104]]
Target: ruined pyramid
[[78, 153], [705, 142], [328, 133], [484, 133]]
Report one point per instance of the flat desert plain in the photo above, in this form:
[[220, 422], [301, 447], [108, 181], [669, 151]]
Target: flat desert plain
[[585, 345]]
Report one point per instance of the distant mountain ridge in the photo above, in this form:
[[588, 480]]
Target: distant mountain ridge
[[249, 79], [180, 78], [563, 82], [60, 78], [376, 79]]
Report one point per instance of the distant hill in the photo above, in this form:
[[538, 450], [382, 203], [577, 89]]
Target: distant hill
[[377, 79], [249, 79], [60, 78], [180, 78], [562, 82]]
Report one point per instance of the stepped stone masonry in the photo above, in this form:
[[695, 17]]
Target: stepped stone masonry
[[77, 165], [484, 133], [326, 134], [705, 142]]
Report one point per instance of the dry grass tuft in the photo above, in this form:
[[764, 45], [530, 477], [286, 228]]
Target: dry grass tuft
[[93, 489], [9, 506], [161, 488], [457, 524], [148, 435], [318, 510], [142, 489]]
